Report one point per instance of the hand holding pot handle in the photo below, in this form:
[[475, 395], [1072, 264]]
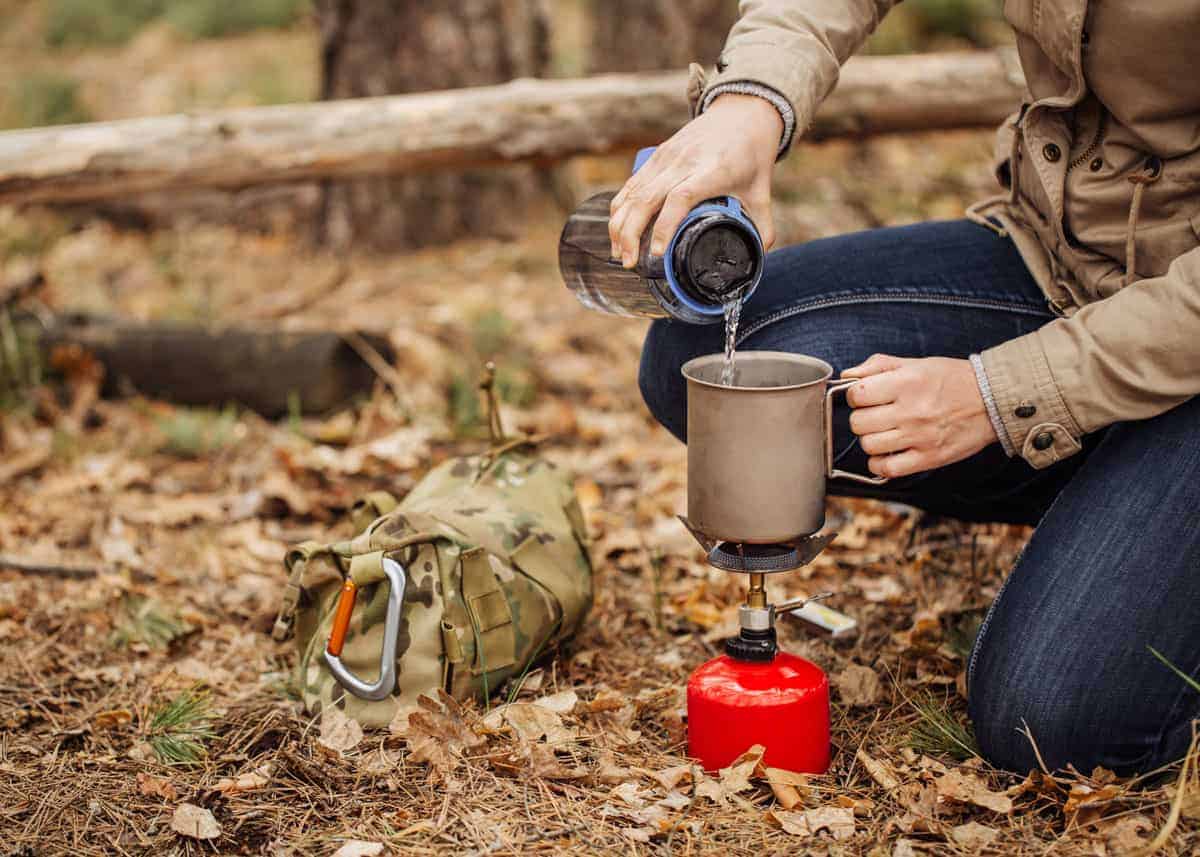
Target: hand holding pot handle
[[831, 472]]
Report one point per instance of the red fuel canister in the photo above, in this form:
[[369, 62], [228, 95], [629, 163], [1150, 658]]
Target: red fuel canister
[[782, 704]]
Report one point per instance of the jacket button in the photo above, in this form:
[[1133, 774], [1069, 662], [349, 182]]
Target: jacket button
[[1096, 165], [1051, 152], [1025, 410], [722, 64], [1043, 441], [1153, 166]]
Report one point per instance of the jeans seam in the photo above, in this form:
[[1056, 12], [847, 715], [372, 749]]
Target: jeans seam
[[852, 299]]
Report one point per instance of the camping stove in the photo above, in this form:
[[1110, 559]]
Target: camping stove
[[754, 693]]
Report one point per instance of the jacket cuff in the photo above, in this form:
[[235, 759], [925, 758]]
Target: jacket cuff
[[1027, 400], [989, 402], [745, 87]]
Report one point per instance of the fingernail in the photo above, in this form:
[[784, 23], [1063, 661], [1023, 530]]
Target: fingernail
[[657, 248], [627, 260]]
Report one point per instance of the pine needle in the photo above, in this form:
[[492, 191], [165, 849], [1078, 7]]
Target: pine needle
[[150, 623], [939, 732], [179, 729], [1191, 682]]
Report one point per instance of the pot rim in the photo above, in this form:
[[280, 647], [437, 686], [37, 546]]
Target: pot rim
[[690, 367]]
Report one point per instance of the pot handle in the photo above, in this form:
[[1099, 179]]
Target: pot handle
[[832, 472]]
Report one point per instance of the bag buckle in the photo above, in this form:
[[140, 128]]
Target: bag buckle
[[386, 682]]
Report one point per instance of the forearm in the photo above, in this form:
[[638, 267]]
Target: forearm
[[792, 49], [1131, 356]]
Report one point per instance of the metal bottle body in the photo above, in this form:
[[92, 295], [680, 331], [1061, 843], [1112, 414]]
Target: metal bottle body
[[782, 704], [715, 252]]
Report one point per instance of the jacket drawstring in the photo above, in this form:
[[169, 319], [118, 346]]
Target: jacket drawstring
[[1147, 177]]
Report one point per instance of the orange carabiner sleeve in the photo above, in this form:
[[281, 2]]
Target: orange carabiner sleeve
[[341, 619]]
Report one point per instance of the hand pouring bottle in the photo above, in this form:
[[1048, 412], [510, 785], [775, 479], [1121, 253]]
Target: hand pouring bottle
[[714, 255]]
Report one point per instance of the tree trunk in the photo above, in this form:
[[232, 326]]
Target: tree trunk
[[648, 35], [370, 48]]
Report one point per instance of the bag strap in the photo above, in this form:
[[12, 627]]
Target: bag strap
[[370, 507], [295, 561]]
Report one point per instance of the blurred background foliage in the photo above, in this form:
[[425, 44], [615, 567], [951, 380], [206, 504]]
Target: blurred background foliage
[[65, 61]]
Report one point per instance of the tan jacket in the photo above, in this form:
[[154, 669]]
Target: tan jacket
[[1102, 171]]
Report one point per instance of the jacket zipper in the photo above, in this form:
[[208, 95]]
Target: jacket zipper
[[1101, 127]]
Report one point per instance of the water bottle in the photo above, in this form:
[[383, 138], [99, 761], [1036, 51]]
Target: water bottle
[[715, 254]]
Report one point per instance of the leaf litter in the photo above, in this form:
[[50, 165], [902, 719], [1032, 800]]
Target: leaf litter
[[150, 683]]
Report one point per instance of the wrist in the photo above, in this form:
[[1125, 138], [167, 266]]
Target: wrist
[[754, 115]]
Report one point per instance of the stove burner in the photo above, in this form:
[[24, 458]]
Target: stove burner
[[731, 556]]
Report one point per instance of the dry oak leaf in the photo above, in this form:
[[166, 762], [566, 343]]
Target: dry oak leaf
[[563, 702], [669, 778], [838, 821], [114, 719], [789, 787], [246, 782], [156, 786], [339, 732], [964, 787], [545, 764], [861, 807], [1086, 803], [532, 722], [733, 779], [359, 848], [614, 715], [194, 822], [609, 771], [1123, 835], [973, 835], [880, 772], [878, 589], [858, 686], [439, 734]]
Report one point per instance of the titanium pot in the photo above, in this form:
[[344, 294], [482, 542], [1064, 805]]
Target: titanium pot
[[759, 451]]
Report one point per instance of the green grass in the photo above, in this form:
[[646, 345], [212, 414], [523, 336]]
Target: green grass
[[180, 727], [1188, 680], [20, 363], [196, 432], [75, 23], [42, 98]]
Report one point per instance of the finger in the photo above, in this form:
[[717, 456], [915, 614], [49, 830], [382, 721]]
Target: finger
[[873, 365], [758, 209], [900, 464], [636, 215], [873, 390], [885, 442], [678, 203], [864, 421]]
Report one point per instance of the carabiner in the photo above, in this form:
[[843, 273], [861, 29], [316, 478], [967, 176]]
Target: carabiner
[[386, 682]]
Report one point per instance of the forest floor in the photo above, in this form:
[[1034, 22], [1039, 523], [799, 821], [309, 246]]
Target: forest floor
[[141, 550], [156, 533]]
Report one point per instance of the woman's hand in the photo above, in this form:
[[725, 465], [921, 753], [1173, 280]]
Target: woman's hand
[[728, 150], [914, 414]]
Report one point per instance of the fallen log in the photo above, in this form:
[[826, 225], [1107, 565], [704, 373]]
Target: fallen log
[[269, 371], [540, 120]]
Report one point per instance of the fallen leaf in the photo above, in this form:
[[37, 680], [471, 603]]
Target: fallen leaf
[[609, 772], [1086, 803], [246, 782], [861, 807], [532, 722], [339, 732], [629, 794], [733, 779], [114, 719], [1123, 835], [789, 787], [964, 787], [168, 511], [837, 821], [156, 786], [359, 848], [858, 686], [878, 589], [669, 778], [903, 848], [877, 770], [614, 715], [1036, 783], [438, 734], [973, 835], [26, 460], [195, 822], [545, 764], [563, 702]]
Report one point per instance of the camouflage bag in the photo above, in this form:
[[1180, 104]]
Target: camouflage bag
[[479, 571]]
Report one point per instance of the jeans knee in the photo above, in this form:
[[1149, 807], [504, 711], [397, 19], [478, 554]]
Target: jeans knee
[[659, 379]]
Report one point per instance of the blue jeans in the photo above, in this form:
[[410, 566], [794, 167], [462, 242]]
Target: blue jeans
[[1113, 566]]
